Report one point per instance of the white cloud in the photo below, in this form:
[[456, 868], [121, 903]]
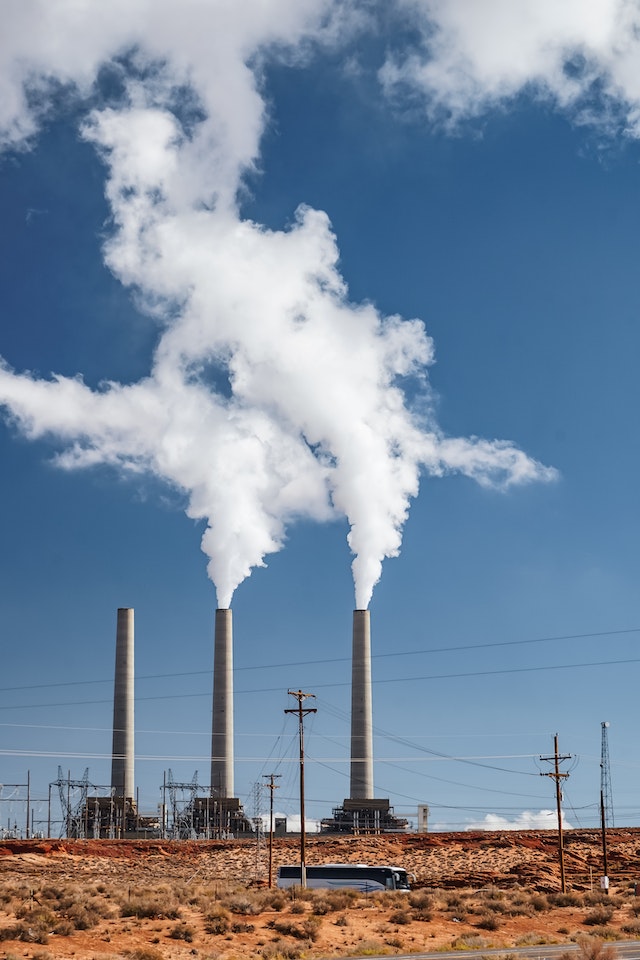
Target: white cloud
[[478, 54], [527, 820], [271, 395]]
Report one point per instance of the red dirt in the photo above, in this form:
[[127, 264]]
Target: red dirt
[[520, 862]]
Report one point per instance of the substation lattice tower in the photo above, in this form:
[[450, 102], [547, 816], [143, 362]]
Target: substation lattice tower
[[605, 777], [73, 806], [183, 798]]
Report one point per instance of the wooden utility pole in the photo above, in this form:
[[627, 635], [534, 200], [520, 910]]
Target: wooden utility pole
[[272, 786], [558, 776], [302, 713]]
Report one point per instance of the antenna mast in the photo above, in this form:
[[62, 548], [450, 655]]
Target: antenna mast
[[605, 777]]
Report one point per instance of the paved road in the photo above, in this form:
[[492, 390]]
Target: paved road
[[624, 949]]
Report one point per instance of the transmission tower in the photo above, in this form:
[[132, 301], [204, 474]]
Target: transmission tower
[[183, 811], [73, 806], [605, 778]]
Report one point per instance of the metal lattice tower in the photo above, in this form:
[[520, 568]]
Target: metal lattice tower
[[73, 805], [182, 811], [605, 777]]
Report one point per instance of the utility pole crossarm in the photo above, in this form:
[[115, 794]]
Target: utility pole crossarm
[[301, 712], [272, 785], [558, 776]]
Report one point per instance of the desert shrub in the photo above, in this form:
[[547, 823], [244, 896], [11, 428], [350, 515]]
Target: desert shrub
[[519, 898], [598, 917], [82, 918], [52, 892], [369, 948], [605, 933], [423, 914], [301, 893], [493, 893], [340, 899], [307, 930], [594, 897], [456, 907], [280, 952], [64, 928], [272, 900], [519, 909], [180, 892], [12, 933], [38, 924], [568, 899], [285, 927], [36, 915], [539, 902], [329, 901], [396, 942], [400, 917], [297, 907], [149, 908], [143, 953], [469, 941], [182, 931], [492, 903], [522, 906], [242, 905], [239, 927], [488, 922], [30, 933], [217, 921], [530, 940], [342, 921], [589, 949], [18, 891], [454, 902], [420, 900], [632, 928], [321, 907]]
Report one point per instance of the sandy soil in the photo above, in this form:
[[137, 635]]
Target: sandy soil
[[483, 889]]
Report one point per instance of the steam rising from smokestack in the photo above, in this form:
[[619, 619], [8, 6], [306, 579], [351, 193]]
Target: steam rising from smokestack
[[271, 395]]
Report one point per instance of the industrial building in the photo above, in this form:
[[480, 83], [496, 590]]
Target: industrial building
[[189, 810]]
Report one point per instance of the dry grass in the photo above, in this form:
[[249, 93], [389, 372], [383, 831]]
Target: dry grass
[[172, 908], [271, 924]]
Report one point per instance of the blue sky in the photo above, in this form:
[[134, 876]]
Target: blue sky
[[496, 200]]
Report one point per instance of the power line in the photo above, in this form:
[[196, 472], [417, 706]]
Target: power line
[[303, 663], [345, 683]]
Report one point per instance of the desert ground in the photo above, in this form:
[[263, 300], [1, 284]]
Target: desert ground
[[150, 900]]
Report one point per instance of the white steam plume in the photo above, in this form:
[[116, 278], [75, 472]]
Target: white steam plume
[[270, 395]]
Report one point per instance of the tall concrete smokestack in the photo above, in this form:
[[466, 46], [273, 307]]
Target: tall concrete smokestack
[[361, 714], [222, 728], [122, 777]]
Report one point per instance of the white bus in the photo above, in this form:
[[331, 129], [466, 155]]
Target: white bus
[[359, 876]]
